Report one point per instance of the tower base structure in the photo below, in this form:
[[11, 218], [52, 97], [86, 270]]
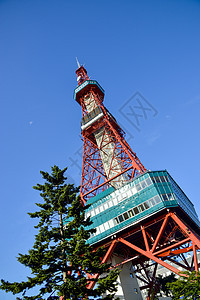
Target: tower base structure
[[145, 223], [128, 288]]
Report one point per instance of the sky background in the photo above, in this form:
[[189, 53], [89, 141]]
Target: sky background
[[145, 49]]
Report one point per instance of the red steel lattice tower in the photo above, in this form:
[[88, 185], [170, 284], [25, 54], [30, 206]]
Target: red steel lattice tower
[[107, 158], [155, 223]]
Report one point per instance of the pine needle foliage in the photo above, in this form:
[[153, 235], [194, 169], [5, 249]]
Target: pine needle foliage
[[186, 288], [61, 256], [164, 281]]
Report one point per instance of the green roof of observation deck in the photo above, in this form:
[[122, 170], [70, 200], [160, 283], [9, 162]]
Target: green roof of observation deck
[[85, 84]]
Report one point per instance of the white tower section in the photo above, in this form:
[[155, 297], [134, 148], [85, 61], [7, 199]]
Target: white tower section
[[128, 288], [107, 147]]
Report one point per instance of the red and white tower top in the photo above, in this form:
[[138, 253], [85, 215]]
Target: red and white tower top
[[108, 160]]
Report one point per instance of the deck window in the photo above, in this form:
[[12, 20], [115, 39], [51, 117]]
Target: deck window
[[115, 201], [105, 205], [166, 178], [157, 199], [143, 184], [146, 205], [97, 210], [106, 225], [162, 178], [110, 203], [136, 211], [141, 207], [157, 179], [164, 197], [101, 208], [101, 228], [125, 216], [116, 221], [170, 196], [111, 223], [121, 219], [131, 214], [148, 181], [138, 187], [152, 202]]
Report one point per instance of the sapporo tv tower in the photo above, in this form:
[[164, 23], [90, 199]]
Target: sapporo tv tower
[[142, 218]]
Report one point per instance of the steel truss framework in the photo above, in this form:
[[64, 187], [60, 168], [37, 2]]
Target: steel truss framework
[[165, 241], [123, 160]]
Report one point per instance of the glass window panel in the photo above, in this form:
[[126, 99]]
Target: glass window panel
[[101, 228], [92, 213], [111, 223], [119, 198], [124, 195], [143, 184], [129, 193], [97, 210], [162, 178], [115, 201], [170, 196], [116, 221], [165, 197], [121, 219], [153, 179], [148, 181], [146, 205], [141, 207], [101, 208], [110, 203], [98, 231], [157, 199], [86, 118], [131, 214], [138, 187], [136, 211], [166, 178], [106, 226], [106, 205], [152, 202], [125, 216], [157, 179], [133, 190], [96, 110]]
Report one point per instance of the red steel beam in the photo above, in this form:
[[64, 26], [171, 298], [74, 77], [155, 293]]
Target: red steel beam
[[145, 238], [195, 258], [186, 230], [172, 246], [108, 180], [175, 252], [105, 259], [151, 256], [160, 233]]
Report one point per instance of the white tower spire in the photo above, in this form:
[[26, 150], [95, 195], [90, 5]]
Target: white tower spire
[[77, 62]]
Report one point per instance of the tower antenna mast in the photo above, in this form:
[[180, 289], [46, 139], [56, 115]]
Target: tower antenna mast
[[77, 62]]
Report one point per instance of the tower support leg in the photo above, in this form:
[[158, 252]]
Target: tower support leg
[[128, 288]]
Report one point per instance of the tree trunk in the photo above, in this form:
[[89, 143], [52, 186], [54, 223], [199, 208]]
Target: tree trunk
[[63, 251]]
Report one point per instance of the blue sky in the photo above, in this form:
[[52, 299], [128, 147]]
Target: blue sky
[[145, 48]]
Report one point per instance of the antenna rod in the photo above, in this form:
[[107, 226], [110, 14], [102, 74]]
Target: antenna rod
[[77, 62]]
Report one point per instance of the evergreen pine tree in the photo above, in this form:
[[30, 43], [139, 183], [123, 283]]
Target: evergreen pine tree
[[186, 287], [61, 255]]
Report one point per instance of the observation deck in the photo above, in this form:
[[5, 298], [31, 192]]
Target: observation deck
[[83, 88], [116, 210]]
